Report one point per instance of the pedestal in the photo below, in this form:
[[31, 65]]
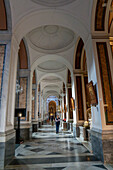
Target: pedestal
[[76, 130], [34, 126], [7, 148], [64, 126], [102, 144]]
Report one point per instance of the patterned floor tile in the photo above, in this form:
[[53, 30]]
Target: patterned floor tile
[[51, 151], [100, 166], [26, 146], [54, 153], [37, 150], [55, 168]]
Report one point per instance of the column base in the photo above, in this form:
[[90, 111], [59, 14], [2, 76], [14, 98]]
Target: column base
[[69, 124], [25, 130], [64, 126], [34, 126], [102, 144], [76, 130], [7, 148]]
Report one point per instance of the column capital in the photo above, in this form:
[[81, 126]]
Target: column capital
[[24, 72], [77, 72], [68, 85]]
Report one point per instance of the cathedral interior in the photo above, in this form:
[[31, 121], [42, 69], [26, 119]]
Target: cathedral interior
[[56, 58]]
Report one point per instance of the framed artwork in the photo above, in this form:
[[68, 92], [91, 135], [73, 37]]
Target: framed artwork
[[92, 94]]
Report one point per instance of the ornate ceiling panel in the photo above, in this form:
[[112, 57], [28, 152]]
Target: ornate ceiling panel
[[53, 3], [51, 38], [51, 65]]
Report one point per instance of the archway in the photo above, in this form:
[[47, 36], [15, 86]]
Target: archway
[[52, 110]]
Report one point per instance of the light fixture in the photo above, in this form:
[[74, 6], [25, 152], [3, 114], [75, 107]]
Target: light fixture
[[19, 89], [104, 4], [19, 114]]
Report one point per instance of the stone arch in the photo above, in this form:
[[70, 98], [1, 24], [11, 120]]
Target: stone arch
[[81, 52], [81, 79], [52, 108], [51, 74], [52, 57], [50, 94], [43, 17]]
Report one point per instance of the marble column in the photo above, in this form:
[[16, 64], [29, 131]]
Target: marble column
[[7, 132], [102, 114]]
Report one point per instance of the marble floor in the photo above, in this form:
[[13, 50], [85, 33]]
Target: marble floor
[[50, 151]]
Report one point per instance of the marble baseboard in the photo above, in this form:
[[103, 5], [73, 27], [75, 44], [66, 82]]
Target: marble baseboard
[[97, 147], [7, 152], [107, 151], [102, 146]]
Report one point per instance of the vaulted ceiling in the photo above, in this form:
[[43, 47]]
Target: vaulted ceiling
[[53, 31]]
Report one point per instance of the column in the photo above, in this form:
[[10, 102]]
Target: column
[[35, 108], [8, 68], [102, 114]]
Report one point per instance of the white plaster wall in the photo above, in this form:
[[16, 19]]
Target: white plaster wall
[[20, 10], [92, 75]]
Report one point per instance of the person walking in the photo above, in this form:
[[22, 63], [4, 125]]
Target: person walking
[[57, 120]]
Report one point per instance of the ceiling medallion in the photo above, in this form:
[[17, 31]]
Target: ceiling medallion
[[53, 3], [51, 29], [51, 38]]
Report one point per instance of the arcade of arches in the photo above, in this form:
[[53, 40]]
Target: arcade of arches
[[56, 57]]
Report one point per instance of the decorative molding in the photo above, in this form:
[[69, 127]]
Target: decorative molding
[[106, 81], [59, 38], [3, 16], [51, 3], [5, 136], [2, 65], [69, 103], [51, 66], [23, 59], [79, 98], [100, 16], [79, 54]]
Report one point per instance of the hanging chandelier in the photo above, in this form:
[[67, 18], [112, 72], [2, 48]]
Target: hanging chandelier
[[19, 89]]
